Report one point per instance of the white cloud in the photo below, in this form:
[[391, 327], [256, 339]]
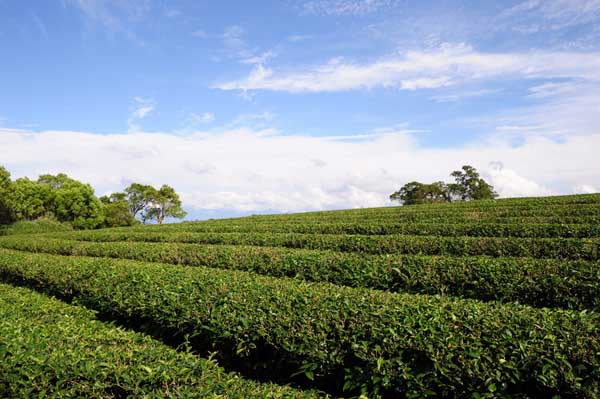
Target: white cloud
[[205, 117], [520, 128], [236, 47], [115, 15], [258, 58], [561, 108], [346, 7], [448, 64], [554, 14], [552, 89], [141, 108], [425, 83], [509, 183], [461, 95], [257, 170], [585, 189]]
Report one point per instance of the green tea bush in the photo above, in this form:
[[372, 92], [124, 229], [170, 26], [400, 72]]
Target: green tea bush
[[49, 349], [384, 228], [35, 226], [358, 340], [561, 248], [537, 282], [425, 212]]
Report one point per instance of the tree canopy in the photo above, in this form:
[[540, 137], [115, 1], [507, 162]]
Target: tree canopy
[[5, 189], [74, 202], [67, 200], [28, 200], [138, 196], [163, 203], [468, 185], [116, 211], [419, 193]]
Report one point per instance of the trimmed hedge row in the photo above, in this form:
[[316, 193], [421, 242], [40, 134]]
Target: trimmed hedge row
[[536, 282], [34, 227], [51, 349], [383, 344], [384, 228], [479, 217], [402, 213], [250, 221], [560, 248], [577, 199], [505, 203]]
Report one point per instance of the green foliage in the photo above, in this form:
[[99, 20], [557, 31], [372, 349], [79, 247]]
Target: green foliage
[[450, 213], [29, 200], [42, 225], [458, 228], [138, 197], [117, 214], [292, 325], [538, 282], [163, 203], [5, 189], [468, 186], [150, 203], [562, 248], [51, 349], [79, 206], [415, 193], [381, 343], [117, 211], [59, 196]]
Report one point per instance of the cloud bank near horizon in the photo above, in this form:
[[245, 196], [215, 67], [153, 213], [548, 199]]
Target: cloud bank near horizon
[[248, 170]]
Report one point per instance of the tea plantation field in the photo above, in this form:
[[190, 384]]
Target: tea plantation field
[[467, 300]]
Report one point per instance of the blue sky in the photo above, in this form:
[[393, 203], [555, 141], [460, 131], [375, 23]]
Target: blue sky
[[250, 107]]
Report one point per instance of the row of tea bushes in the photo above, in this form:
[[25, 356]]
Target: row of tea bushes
[[537, 282], [49, 349], [402, 212], [557, 200], [503, 205], [559, 248], [383, 344], [548, 230]]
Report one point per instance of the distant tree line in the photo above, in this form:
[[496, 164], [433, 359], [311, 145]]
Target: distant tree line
[[467, 186], [67, 200]]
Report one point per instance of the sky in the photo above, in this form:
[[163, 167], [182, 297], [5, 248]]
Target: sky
[[248, 107]]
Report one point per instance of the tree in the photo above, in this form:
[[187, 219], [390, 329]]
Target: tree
[[5, 190], [114, 197], [138, 197], [117, 214], [59, 181], [79, 206], [163, 203], [418, 193], [116, 211], [73, 201], [28, 200], [68, 200], [470, 186]]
